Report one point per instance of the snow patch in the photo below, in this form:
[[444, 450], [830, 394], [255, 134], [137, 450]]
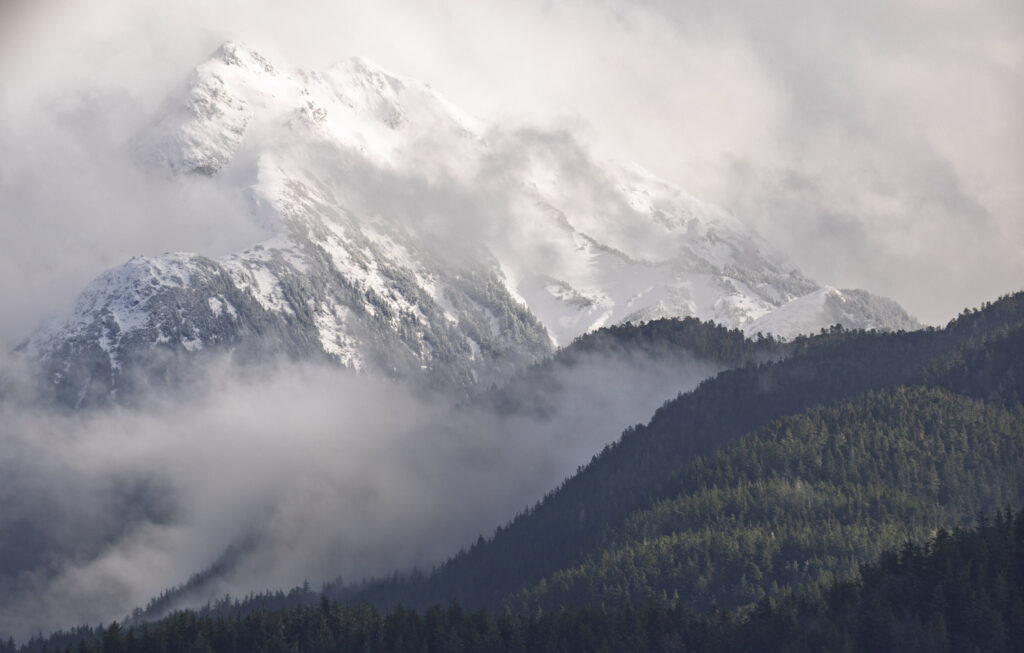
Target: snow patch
[[330, 324]]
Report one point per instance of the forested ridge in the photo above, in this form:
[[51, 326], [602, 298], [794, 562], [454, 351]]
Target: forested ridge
[[679, 340], [961, 591], [804, 501], [744, 510], [978, 355]]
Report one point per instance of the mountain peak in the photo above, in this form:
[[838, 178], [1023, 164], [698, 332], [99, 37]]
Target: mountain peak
[[354, 105], [409, 242], [235, 54], [366, 67]]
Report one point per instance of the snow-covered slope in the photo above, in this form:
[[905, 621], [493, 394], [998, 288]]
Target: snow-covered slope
[[332, 293], [854, 309], [408, 237]]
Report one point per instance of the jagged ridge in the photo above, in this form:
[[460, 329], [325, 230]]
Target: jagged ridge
[[409, 238]]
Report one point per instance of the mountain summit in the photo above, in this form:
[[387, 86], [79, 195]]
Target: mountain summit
[[407, 237]]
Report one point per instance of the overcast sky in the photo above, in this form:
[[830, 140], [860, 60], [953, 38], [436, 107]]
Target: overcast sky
[[876, 144]]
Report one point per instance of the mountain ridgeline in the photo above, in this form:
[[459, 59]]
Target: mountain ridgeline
[[599, 377], [406, 238], [785, 473], [823, 495], [681, 342]]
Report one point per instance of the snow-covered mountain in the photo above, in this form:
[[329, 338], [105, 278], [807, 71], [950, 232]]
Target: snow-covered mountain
[[854, 309], [407, 237]]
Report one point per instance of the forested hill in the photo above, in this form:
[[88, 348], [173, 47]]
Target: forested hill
[[611, 368], [978, 355], [962, 591], [759, 490], [668, 341], [805, 501]]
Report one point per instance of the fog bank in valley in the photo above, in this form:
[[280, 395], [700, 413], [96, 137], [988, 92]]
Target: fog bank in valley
[[311, 472]]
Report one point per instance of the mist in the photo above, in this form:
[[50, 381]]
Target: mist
[[309, 472], [75, 204], [875, 145]]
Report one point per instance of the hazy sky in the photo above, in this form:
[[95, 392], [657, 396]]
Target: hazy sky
[[877, 144]]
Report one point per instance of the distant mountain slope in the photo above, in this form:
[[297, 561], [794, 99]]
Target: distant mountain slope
[[408, 238]]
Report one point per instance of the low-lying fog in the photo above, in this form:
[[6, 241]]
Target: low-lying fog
[[317, 471]]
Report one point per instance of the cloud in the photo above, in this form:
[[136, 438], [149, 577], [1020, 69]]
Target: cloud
[[898, 122], [309, 472], [73, 204], [899, 117]]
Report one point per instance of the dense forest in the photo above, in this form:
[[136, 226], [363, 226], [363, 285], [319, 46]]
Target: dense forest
[[978, 355], [679, 341], [816, 495], [961, 591], [803, 501]]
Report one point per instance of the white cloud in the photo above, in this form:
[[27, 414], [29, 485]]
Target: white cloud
[[898, 119], [311, 472]]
